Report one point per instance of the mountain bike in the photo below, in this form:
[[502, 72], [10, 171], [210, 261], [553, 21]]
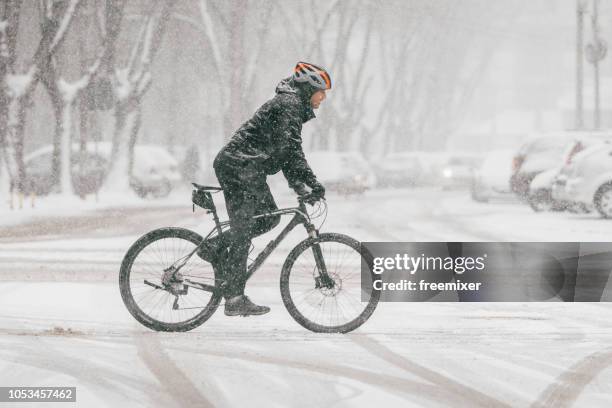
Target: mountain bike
[[166, 286]]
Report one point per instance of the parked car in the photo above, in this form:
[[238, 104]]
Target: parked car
[[535, 156], [87, 175], [540, 196], [458, 171], [491, 180], [545, 193], [589, 180], [404, 169], [154, 173], [343, 172]]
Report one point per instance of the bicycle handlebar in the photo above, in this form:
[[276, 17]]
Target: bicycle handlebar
[[304, 198]]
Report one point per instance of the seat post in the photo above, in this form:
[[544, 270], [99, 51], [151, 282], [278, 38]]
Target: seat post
[[213, 210]]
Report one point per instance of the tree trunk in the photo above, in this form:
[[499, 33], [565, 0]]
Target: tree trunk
[[65, 128], [237, 59], [56, 102], [118, 179], [21, 111], [136, 122]]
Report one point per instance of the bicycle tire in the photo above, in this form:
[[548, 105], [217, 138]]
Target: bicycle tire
[[125, 288], [290, 304]]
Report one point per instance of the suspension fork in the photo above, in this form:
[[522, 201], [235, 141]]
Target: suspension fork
[[323, 279]]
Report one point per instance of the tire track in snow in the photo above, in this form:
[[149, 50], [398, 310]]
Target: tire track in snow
[[396, 385], [569, 385], [459, 393], [176, 383], [102, 379]]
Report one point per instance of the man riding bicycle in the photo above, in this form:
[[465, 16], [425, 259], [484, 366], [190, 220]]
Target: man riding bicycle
[[267, 143]]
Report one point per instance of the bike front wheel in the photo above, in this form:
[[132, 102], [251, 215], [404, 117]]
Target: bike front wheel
[[162, 300], [337, 300]]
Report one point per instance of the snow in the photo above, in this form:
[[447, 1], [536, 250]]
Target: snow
[[337, 165], [19, 83], [71, 206], [122, 83], [144, 82], [147, 41], [496, 169], [62, 319], [544, 180], [70, 90]]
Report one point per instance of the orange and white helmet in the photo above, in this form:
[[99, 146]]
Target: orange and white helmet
[[314, 75]]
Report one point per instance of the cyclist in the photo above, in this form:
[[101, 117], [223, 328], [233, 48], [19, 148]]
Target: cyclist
[[267, 143]]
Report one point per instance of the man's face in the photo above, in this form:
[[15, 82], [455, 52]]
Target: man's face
[[317, 98]]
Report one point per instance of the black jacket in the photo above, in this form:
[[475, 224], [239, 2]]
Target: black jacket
[[271, 140]]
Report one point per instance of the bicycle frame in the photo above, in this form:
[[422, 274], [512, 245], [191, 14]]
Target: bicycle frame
[[300, 217]]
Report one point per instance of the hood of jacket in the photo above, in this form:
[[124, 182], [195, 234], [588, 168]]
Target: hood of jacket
[[303, 91]]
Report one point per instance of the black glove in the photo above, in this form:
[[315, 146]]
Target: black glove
[[317, 193], [318, 190], [300, 189]]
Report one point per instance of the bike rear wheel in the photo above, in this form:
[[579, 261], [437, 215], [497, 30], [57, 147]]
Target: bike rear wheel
[[156, 298], [342, 304]]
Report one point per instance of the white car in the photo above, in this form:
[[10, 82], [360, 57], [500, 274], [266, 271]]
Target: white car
[[458, 171], [154, 172], [343, 172], [589, 179], [403, 169], [540, 191], [547, 189], [492, 179]]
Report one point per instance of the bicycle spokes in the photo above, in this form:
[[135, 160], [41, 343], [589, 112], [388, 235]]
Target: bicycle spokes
[[162, 275], [325, 284]]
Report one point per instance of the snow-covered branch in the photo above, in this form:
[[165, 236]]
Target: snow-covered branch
[[69, 14], [18, 84], [213, 42]]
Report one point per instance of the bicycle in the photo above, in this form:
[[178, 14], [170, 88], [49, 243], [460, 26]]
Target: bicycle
[[166, 288]]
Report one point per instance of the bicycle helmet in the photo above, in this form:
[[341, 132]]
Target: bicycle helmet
[[312, 74]]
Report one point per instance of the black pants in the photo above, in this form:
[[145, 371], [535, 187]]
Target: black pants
[[246, 194]]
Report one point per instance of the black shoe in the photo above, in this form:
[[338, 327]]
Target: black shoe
[[242, 306], [211, 250]]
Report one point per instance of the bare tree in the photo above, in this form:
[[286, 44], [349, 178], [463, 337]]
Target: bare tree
[[64, 95], [9, 26], [17, 88], [354, 23], [132, 82], [235, 59]]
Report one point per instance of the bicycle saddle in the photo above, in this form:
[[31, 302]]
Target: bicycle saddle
[[206, 188]]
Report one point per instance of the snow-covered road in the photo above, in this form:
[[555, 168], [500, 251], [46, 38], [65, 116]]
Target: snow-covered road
[[62, 321]]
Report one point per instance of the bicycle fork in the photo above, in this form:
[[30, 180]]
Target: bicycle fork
[[323, 280]]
